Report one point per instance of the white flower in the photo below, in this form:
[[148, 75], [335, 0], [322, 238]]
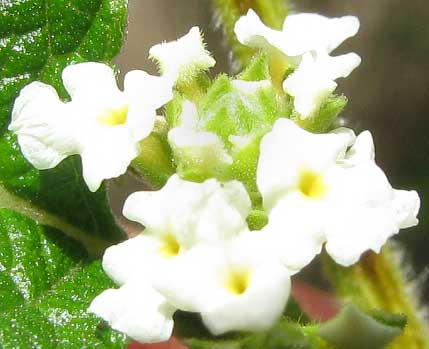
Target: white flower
[[306, 39], [137, 310], [101, 123], [236, 287], [301, 33], [176, 218], [314, 79], [317, 191], [193, 146], [184, 58]]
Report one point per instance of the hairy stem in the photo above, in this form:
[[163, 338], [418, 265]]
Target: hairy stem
[[379, 281]]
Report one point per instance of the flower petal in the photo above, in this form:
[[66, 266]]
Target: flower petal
[[137, 257], [306, 32], [136, 310], [192, 212], [103, 158], [152, 91], [235, 287], [288, 149], [90, 80], [184, 58], [46, 133], [314, 79], [364, 211], [407, 205], [259, 306], [301, 33], [252, 32], [295, 231]]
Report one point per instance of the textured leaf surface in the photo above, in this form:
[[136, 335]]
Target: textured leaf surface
[[46, 285], [38, 38]]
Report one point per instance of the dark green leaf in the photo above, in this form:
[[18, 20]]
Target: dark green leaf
[[46, 286], [353, 329], [38, 38]]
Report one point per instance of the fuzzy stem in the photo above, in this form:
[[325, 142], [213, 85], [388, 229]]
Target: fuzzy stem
[[379, 281], [272, 12]]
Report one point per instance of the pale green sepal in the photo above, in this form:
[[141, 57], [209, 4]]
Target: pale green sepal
[[353, 329], [326, 118], [154, 163]]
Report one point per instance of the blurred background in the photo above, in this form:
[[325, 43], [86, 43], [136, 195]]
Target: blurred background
[[388, 94]]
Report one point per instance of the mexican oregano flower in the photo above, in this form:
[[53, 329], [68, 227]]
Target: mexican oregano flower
[[101, 123], [316, 185], [306, 41]]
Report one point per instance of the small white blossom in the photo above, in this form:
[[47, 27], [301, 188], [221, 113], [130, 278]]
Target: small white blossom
[[184, 58], [236, 286], [191, 145], [314, 79], [306, 39], [137, 310], [101, 123], [301, 33], [179, 216], [316, 190]]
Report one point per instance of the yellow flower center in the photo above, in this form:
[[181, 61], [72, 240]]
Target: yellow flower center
[[312, 184], [114, 117], [170, 246], [237, 281]]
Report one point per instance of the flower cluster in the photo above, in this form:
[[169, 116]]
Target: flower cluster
[[199, 252]]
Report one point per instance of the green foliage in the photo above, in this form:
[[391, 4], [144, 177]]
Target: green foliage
[[38, 39], [46, 285], [353, 329]]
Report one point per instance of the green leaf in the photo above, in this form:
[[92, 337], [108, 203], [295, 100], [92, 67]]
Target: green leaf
[[353, 329], [46, 286], [38, 38]]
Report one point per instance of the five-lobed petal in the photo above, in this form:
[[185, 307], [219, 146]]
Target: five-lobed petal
[[236, 286], [316, 190], [101, 123]]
